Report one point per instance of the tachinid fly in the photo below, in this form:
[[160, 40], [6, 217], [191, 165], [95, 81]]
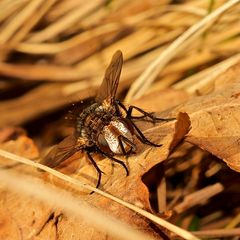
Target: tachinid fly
[[105, 127]]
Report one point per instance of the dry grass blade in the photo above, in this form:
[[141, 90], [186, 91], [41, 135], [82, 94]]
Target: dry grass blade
[[187, 8], [52, 48], [21, 34], [148, 76], [178, 231], [162, 195], [62, 8], [218, 233], [199, 197], [206, 76], [40, 72], [9, 9], [235, 222], [32, 22], [52, 96], [7, 32], [65, 22]]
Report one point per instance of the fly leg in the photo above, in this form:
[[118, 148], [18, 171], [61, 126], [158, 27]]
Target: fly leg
[[96, 167], [145, 114], [121, 140], [118, 112], [140, 135], [115, 160]]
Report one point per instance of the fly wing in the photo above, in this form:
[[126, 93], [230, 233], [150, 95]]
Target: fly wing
[[109, 85], [61, 152]]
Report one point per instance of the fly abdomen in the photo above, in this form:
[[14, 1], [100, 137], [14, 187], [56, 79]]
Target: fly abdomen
[[116, 137]]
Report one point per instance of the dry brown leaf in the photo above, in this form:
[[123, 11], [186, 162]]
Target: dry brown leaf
[[165, 21], [215, 122], [221, 105], [130, 189], [9, 133], [19, 144], [231, 75], [21, 216], [22, 146], [9, 228], [181, 128]]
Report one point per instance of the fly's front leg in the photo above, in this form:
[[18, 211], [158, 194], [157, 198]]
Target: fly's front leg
[[140, 135], [145, 114], [118, 103], [118, 112], [96, 167]]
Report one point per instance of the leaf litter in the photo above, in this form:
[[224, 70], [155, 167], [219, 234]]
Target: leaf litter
[[194, 181]]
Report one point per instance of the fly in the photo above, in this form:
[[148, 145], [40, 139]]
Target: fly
[[106, 127]]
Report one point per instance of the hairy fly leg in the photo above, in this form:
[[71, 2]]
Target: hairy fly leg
[[96, 167], [121, 140], [149, 115], [115, 160], [139, 134]]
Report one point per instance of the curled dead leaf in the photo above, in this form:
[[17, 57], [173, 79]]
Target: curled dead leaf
[[215, 121], [182, 127]]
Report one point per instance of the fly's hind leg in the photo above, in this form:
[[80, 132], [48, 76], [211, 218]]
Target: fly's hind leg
[[115, 160], [121, 140]]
